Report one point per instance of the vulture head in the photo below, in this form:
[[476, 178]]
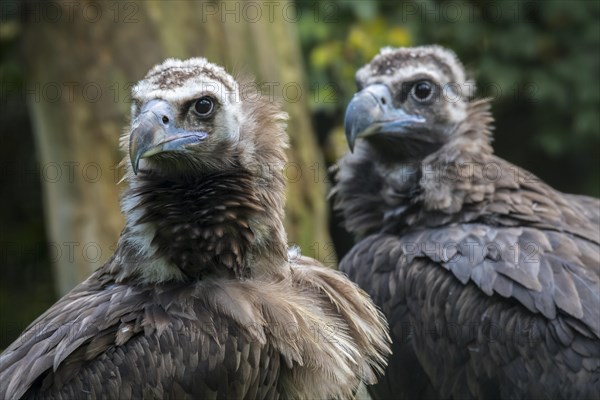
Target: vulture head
[[202, 167], [410, 101], [412, 124], [189, 117]]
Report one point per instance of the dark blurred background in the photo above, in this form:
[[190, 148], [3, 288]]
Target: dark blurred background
[[66, 68]]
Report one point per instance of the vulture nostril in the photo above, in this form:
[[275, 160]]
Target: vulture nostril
[[383, 101], [165, 119]]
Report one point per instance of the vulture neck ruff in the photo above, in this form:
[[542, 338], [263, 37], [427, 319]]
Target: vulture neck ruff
[[191, 227]]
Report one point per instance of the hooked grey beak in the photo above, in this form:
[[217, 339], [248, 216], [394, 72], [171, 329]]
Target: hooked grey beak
[[372, 111], [154, 132]]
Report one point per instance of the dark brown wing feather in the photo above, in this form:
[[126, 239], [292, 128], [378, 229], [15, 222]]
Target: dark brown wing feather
[[312, 334], [374, 264], [442, 288], [589, 207], [109, 338]]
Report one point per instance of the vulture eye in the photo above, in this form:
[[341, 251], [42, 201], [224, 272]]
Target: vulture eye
[[204, 106], [422, 91]]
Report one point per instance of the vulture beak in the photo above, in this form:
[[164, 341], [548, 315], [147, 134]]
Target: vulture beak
[[372, 111], [154, 132]]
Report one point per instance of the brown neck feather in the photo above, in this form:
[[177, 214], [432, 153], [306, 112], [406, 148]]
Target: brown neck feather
[[221, 224]]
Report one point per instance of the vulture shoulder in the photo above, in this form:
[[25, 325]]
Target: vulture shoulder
[[513, 276], [212, 339]]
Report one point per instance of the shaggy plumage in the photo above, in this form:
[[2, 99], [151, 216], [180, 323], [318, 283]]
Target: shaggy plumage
[[201, 298], [489, 278]]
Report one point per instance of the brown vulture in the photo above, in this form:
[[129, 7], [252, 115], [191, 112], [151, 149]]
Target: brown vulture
[[201, 299], [489, 277]]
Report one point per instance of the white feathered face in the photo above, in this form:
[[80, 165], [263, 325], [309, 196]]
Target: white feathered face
[[409, 100], [186, 117]]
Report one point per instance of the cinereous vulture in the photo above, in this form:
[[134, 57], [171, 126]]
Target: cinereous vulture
[[201, 299], [489, 277]]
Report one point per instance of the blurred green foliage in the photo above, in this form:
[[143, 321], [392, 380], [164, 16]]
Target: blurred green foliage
[[538, 60]]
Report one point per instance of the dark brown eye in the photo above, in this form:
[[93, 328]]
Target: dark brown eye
[[204, 106], [422, 91]]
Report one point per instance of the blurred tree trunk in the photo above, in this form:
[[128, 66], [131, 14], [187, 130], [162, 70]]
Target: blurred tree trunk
[[80, 68]]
